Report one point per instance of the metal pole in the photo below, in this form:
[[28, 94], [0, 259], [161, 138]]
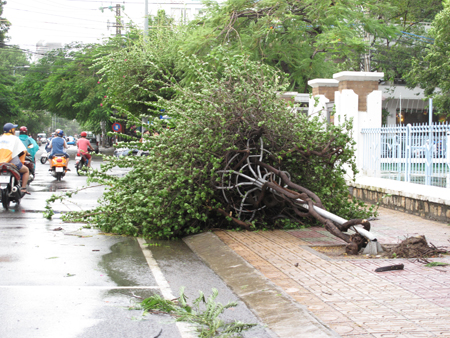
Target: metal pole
[[146, 20], [430, 118], [430, 147], [118, 22]]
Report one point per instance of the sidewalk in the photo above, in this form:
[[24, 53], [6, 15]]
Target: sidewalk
[[339, 296]]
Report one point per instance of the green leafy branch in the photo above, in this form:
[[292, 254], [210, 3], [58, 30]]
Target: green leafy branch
[[203, 314]]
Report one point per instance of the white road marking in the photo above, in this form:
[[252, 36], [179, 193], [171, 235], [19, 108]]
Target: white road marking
[[186, 330]]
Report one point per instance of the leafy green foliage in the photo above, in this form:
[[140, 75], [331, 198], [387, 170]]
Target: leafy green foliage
[[73, 88], [131, 81], [429, 265], [172, 192], [12, 63], [299, 38], [433, 70], [4, 25], [204, 314]]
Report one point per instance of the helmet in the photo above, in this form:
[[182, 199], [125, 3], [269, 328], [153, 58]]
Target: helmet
[[8, 127], [60, 132], [53, 134], [83, 134], [23, 130]]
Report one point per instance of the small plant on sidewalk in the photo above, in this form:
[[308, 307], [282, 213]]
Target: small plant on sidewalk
[[203, 314]]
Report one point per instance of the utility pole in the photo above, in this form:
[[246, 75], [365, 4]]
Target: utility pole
[[118, 24]]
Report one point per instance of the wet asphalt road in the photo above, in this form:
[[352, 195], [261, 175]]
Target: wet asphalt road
[[79, 282]]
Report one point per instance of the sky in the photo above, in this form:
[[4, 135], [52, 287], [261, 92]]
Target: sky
[[66, 21]]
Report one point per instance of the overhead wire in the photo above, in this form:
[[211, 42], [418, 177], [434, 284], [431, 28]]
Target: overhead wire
[[61, 16], [58, 4]]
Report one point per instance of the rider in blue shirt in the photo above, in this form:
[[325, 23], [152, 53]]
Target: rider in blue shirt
[[58, 146]]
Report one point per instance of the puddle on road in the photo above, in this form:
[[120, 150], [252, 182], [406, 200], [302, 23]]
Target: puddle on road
[[55, 187], [126, 265]]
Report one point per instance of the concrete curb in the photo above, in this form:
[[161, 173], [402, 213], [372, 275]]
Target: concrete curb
[[272, 305]]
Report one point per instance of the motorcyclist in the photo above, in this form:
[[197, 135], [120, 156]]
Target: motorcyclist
[[47, 146], [83, 144], [27, 141], [13, 151], [57, 146]]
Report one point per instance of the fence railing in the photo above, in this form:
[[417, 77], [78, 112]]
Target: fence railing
[[413, 153]]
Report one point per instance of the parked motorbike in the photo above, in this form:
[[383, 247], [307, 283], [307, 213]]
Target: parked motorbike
[[10, 184], [59, 166], [44, 157], [81, 161]]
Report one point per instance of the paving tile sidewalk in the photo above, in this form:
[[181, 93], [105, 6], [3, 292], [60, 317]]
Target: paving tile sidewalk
[[346, 294]]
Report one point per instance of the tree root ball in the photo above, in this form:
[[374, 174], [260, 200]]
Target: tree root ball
[[415, 247]]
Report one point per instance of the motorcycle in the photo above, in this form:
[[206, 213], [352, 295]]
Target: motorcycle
[[81, 161], [44, 157], [10, 184], [29, 163], [31, 167], [59, 166]]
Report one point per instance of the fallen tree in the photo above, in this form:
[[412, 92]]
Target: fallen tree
[[229, 119]]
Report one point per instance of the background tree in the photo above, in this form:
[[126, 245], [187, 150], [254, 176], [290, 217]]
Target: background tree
[[433, 70], [394, 55], [73, 89], [300, 38], [4, 25], [10, 57], [131, 82]]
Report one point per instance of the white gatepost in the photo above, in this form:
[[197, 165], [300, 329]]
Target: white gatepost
[[347, 108], [322, 93], [372, 119], [360, 99]]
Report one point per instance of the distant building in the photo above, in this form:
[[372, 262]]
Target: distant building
[[43, 47], [406, 105]]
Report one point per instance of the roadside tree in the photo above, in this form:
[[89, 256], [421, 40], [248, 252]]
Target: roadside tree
[[432, 72], [303, 39]]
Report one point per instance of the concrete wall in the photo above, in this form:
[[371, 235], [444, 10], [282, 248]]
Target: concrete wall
[[424, 208], [416, 199]]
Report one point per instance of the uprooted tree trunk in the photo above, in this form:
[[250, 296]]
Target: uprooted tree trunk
[[252, 187]]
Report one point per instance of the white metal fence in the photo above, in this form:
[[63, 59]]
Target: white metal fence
[[412, 153]]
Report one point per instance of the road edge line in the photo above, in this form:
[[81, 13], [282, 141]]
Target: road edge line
[[186, 330]]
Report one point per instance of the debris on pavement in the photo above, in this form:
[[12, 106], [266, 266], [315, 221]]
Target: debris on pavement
[[390, 268]]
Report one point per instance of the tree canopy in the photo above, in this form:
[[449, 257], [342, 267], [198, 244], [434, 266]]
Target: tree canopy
[[301, 38], [432, 72], [4, 25]]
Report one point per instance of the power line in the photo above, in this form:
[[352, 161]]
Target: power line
[[53, 8], [61, 16], [53, 3], [59, 23]]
